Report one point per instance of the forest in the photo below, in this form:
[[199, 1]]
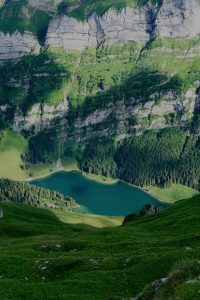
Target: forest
[[22, 192], [162, 158]]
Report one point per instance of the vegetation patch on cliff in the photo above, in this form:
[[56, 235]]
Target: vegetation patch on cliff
[[88, 7], [18, 15]]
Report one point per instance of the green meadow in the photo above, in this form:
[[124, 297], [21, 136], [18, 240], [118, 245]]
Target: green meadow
[[45, 258]]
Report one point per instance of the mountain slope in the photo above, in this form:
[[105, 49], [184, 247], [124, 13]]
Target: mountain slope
[[76, 71], [45, 259], [108, 68]]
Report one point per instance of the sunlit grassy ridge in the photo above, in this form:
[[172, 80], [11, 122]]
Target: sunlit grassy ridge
[[43, 258], [93, 220]]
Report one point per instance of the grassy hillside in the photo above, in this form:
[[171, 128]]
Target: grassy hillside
[[173, 193], [12, 147], [63, 206], [92, 220], [43, 258]]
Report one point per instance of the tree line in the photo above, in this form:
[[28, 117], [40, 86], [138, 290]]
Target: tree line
[[162, 158], [22, 192]]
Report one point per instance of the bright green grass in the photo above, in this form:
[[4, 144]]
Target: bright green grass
[[173, 193], [41, 170], [11, 148], [43, 258], [109, 66], [93, 220]]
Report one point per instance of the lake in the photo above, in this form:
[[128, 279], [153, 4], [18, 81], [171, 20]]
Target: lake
[[117, 199]]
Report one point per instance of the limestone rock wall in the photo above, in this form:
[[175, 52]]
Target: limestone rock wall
[[179, 18], [16, 45], [174, 18], [114, 27], [40, 117]]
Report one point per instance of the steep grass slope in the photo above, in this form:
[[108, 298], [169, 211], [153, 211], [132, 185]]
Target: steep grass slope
[[12, 147], [43, 258]]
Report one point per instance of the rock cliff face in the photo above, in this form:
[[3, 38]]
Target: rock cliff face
[[16, 45], [171, 19], [40, 117], [142, 25], [114, 27], [179, 18]]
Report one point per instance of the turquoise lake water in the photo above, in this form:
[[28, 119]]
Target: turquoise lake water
[[118, 199]]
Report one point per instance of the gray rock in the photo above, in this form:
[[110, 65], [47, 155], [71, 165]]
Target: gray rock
[[175, 18], [1, 213], [159, 282], [150, 209], [154, 286], [114, 27], [40, 117], [179, 18], [16, 45]]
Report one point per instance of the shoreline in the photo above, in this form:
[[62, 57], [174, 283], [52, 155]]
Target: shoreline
[[100, 179], [43, 176], [156, 192]]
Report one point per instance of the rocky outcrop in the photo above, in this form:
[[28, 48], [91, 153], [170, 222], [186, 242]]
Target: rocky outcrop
[[40, 117], [16, 45], [1, 213], [45, 117], [152, 289], [150, 209]]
